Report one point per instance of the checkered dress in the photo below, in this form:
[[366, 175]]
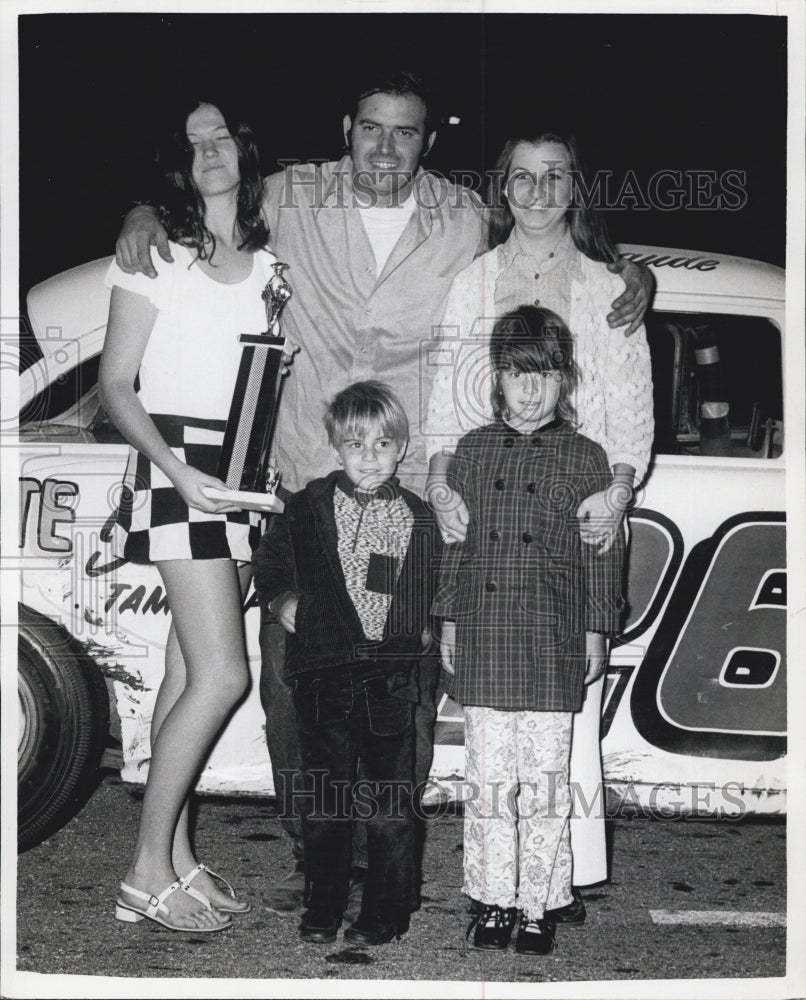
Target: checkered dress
[[187, 375], [522, 588], [155, 523]]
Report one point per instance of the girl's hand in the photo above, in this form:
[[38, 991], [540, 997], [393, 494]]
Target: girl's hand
[[600, 516], [284, 608], [450, 511], [631, 305], [447, 647], [595, 655], [189, 482]]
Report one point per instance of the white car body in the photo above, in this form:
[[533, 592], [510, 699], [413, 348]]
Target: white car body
[[695, 706]]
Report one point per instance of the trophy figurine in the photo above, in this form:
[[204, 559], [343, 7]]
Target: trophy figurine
[[244, 459]]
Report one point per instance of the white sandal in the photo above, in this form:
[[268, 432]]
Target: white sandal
[[131, 914], [187, 879]]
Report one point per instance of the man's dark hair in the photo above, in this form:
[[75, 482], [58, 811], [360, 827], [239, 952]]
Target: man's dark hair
[[400, 83]]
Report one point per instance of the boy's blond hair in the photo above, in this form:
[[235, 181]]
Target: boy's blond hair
[[361, 404]]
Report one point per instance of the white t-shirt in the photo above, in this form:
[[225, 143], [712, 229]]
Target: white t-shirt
[[385, 226], [191, 360]]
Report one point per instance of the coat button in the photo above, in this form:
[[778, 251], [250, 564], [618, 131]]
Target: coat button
[[490, 586], [509, 442], [499, 484], [531, 487], [526, 537], [495, 535]]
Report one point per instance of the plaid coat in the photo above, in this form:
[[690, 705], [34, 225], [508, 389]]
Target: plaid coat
[[523, 588]]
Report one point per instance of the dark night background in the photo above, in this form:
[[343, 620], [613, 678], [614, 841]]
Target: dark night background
[[645, 92]]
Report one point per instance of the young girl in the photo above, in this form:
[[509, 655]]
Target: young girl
[[528, 609], [178, 334]]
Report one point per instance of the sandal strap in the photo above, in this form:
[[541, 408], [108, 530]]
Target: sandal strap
[[191, 875], [206, 868], [221, 879], [186, 887], [155, 903], [490, 915]]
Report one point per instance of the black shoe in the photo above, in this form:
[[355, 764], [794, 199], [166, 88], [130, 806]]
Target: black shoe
[[535, 937], [318, 927], [493, 926], [572, 913], [376, 930]]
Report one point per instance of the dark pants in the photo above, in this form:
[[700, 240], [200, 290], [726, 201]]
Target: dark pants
[[425, 717], [283, 740], [282, 735], [347, 713]]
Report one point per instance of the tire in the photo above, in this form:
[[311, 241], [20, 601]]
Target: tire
[[63, 725]]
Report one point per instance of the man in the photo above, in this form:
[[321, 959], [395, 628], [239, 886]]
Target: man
[[373, 243]]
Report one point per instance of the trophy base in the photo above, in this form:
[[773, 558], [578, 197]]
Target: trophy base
[[268, 502]]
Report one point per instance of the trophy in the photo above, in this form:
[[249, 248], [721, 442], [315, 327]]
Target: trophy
[[243, 463]]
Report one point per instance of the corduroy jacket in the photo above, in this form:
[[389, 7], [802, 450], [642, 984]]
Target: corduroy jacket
[[299, 554]]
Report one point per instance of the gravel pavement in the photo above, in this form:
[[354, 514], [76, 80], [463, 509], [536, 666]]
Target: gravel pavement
[[66, 889]]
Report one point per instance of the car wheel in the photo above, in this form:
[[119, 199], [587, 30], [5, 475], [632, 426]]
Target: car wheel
[[63, 723]]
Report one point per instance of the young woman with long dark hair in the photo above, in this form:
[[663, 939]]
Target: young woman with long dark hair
[[177, 335]]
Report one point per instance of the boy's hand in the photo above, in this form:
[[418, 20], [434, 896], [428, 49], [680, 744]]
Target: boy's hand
[[447, 647], [596, 656], [631, 305], [284, 608]]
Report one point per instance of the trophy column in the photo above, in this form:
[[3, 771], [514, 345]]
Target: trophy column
[[244, 459]]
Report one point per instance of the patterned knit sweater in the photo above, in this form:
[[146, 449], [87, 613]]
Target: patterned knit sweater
[[614, 398], [373, 532]]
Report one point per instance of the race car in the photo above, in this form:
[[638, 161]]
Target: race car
[[694, 720]]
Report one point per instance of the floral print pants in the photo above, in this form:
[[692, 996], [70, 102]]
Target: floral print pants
[[517, 804]]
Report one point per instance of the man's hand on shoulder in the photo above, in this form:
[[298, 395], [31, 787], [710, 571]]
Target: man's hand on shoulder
[[141, 230]]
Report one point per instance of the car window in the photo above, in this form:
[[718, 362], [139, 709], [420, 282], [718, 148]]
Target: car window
[[68, 404], [715, 358], [62, 392]]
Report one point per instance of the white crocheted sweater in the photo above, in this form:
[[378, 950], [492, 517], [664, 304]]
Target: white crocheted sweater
[[614, 397]]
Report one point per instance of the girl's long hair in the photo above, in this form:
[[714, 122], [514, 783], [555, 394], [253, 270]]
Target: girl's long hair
[[180, 206], [588, 229], [534, 339]]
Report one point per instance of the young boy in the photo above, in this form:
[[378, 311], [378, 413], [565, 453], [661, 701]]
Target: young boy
[[349, 571]]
